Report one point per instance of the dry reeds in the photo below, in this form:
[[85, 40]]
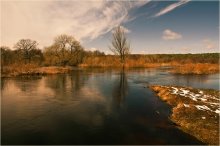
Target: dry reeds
[[31, 69], [197, 68]]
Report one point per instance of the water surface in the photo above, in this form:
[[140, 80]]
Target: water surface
[[93, 106]]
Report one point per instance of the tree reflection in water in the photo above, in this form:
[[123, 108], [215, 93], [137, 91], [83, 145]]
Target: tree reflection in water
[[121, 89], [67, 85]]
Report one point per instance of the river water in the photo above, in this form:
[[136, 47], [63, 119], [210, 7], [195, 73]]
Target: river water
[[93, 106]]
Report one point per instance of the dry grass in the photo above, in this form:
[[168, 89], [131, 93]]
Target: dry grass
[[113, 61], [17, 69], [31, 69], [198, 68], [53, 70], [181, 63], [190, 119]]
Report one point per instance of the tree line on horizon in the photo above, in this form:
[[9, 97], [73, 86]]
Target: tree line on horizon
[[65, 50]]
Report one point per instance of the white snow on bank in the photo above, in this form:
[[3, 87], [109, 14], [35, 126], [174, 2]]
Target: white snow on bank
[[202, 107], [198, 97], [217, 111], [186, 105], [205, 108]]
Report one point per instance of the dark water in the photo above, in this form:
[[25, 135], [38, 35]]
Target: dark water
[[93, 107]]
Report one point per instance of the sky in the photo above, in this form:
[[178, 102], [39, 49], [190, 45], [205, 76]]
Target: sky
[[152, 27]]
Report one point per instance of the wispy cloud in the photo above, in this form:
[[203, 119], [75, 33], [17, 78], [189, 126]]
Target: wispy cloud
[[170, 8], [42, 20], [126, 30], [171, 35]]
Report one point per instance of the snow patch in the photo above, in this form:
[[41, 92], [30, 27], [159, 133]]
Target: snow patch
[[201, 92], [186, 105], [203, 99], [200, 97], [217, 111], [202, 107]]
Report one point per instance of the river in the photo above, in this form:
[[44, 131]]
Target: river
[[93, 106]]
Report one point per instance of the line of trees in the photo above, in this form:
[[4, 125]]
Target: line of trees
[[65, 50]]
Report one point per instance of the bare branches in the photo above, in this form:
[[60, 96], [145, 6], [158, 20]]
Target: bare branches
[[26, 46], [120, 45], [66, 49]]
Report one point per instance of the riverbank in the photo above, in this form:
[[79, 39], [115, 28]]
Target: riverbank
[[195, 68], [207, 63], [175, 68], [31, 69], [196, 111]]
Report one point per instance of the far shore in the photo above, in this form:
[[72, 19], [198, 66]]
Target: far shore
[[195, 111], [30, 70], [176, 68]]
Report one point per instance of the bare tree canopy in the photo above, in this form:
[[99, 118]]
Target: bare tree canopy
[[120, 45], [26, 46], [66, 50]]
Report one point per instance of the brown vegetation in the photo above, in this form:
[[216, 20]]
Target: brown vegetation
[[31, 69], [181, 63], [202, 123], [197, 68], [66, 51], [114, 61]]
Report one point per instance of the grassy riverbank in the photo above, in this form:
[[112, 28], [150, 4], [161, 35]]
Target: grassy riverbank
[[181, 64], [196, 68], [32, 69], [196, 111]]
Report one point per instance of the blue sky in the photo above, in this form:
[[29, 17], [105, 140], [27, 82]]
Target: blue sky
[[152, 26]]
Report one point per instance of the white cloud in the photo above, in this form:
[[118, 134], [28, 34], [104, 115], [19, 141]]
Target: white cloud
[[43, 20], [124, 29], [171, 7], [92, 49], [209, 44], [171, 35]]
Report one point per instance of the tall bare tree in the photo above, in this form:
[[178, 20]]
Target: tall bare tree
[[25, 46], [61, 43], [120, 45]]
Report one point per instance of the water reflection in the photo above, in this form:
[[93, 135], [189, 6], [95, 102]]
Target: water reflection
[[120, 89], [67, 86], [188, 79], [82, 108]]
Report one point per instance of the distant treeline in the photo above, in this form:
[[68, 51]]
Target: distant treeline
[[181, 58], [66, 51], [48, 57], [141, 60], [42, 58]]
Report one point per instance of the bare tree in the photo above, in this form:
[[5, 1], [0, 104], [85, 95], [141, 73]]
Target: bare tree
[[25, 46], [120, 45], [67, 49], [61, 43]]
